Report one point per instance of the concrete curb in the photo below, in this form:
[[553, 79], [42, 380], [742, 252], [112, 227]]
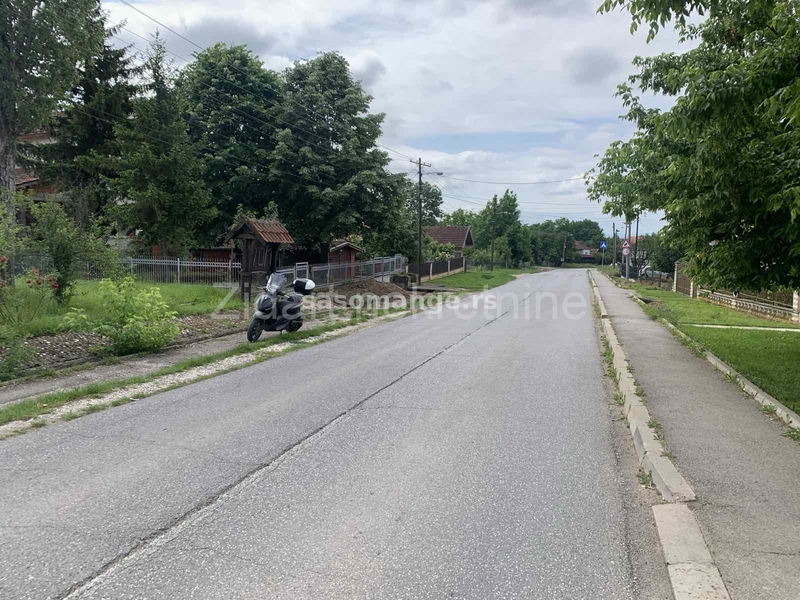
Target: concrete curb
[[791, 418], [692, 571], [649, 449], [600, 303]]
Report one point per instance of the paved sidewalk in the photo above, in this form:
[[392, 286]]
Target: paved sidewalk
[[745, 473]]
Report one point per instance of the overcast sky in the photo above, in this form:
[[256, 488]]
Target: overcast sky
[[495, 90]]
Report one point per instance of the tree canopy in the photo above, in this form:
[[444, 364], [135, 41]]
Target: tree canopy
[[329, 175], [160, 176], [42, 45], [230, 102], [721, 163]]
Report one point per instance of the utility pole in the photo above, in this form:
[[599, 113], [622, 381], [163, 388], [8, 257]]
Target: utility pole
[[628, 258], [636, 251], [494, 218], [564, 252], [419, 164], [614, 234]]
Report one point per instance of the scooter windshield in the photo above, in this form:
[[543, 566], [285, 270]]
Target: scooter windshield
[[276, 282]]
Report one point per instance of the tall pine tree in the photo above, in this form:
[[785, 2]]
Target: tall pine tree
[[78, 161], [160, 186]]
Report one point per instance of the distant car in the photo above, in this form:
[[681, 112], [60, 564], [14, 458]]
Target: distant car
[[647, 272]]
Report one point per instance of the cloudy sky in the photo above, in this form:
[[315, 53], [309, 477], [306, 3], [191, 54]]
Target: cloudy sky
[[489, 90]]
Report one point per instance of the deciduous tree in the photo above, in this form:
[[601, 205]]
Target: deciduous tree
[[231, 102], [721, 163], [330, 176]]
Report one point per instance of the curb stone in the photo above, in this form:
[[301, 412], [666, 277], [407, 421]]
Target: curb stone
[[669, 482], [600, 303], [791, 418], [692, 572], [691, 569]]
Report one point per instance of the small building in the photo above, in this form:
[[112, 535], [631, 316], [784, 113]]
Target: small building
[[343, 251], [260, 240], [460, 237], [583, 252]]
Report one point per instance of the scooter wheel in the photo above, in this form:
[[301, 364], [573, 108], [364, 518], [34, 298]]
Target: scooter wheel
[[254, 331], [294, 325]]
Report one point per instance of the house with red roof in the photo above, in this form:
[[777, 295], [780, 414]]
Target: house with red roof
[[460, 237]]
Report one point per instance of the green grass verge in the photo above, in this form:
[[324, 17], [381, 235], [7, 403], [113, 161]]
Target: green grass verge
[[681, 310], [34, 407], [768, 359], [478, 280], [185, 299]]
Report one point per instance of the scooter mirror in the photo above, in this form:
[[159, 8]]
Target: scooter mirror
[[303, 286]]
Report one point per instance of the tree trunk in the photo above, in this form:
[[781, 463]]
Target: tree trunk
[[8, 149], [8, 185]]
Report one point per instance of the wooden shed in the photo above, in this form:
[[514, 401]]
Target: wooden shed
[[260, 241]]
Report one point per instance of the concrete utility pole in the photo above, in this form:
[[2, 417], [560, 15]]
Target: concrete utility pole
[[614, 233], [494, 218], [419, 164], [628, 258], [636, 251]]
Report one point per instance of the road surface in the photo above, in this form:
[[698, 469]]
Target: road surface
[[464, 454]]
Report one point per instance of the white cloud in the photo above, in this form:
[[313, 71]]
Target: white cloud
[[455, 77]]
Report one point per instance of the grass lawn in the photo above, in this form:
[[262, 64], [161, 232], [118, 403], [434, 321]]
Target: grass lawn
[[681, 310], [477, 280], [768, 359], [185, 299]]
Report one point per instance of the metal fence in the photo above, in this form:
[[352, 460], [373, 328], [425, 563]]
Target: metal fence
[[181, 270], [335, 273], [226, 273], [780, 298]]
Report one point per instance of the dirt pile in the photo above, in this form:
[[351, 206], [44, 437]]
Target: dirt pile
[[367, 287]]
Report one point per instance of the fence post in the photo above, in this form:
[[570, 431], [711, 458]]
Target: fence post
[[796, 306], [448, 266], [179, 270], [692, 290], [675, 279]]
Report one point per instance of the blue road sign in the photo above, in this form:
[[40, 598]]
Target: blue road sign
[[603, 245]]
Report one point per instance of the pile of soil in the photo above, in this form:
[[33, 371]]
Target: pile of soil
[[368, 287]]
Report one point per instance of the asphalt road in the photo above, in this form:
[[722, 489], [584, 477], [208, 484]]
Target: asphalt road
[[464, 454]]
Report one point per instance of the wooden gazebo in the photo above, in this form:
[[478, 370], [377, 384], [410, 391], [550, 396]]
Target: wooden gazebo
[[261, 240]]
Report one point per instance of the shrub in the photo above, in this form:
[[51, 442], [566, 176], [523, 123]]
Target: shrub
[[135, 320], [55, 234], [23, 302]]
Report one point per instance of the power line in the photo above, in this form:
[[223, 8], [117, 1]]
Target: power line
[[242, 160], [514, 182]]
